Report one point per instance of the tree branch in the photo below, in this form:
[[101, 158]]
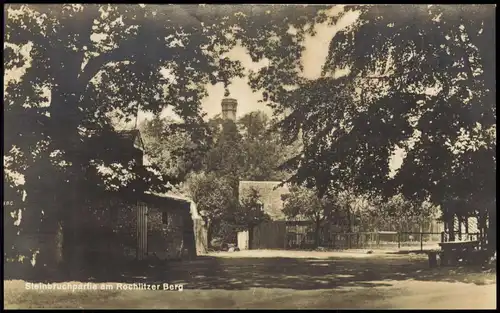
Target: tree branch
[[95, 64], [465, 56]]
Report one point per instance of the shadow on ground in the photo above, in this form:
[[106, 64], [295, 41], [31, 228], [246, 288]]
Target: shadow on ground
[[240, 273], [410, 252]]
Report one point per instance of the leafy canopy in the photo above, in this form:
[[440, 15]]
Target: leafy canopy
[[212, 195], [420, 82], [303, 202], [87, 62], [263, 149], [81, 64], [175, 150]]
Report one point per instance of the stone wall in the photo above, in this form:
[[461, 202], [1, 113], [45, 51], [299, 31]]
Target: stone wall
[[105, 232], [166, 240]]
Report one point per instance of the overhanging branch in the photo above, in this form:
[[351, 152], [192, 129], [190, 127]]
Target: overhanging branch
[[95, 64]]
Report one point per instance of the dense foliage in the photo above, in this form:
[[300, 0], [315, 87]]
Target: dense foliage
[[306, 204], [80, 65], [84, 64], [175, 150], [245, 150], [433, 98]]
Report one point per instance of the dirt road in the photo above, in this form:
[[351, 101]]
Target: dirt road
[[282, 279]]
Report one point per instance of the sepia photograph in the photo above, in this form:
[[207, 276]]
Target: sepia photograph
[[249, 156]]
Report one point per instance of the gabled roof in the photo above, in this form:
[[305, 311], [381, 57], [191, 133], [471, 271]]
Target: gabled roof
[[172, 199], [270, 195], [134, 136]]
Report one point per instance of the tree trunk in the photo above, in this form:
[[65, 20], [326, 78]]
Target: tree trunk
[[326, 235], [209, 233], [459, 220], [317, 233], [38, 228], [250, 237], [492, 229], [349, 221], [451, 226], [73, 260], [449, 221], [485, 240]]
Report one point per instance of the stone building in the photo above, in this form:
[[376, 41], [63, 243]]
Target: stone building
[[162, 224], [138, 226], [119, 230], [165, 228]]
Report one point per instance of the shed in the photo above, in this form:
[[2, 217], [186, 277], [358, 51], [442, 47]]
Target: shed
[[132, 136], [167, 227]]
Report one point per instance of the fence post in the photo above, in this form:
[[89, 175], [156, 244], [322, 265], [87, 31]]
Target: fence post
[[421, 241], [286, 239], [399, 240]]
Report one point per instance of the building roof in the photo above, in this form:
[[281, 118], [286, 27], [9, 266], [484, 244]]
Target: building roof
[[270, 195], [134, 136], [172, 199]]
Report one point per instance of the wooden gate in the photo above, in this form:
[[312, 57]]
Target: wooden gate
[[269, 235], [142, 230]]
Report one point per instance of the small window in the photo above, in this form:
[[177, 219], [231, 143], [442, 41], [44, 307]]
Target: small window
[[164, 218]]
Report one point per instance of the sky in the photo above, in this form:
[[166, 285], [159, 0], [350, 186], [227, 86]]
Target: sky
[[314, 56]]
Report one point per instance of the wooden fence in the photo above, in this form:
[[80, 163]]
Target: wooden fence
[[269, 235], [382, 240], [284, 235]]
